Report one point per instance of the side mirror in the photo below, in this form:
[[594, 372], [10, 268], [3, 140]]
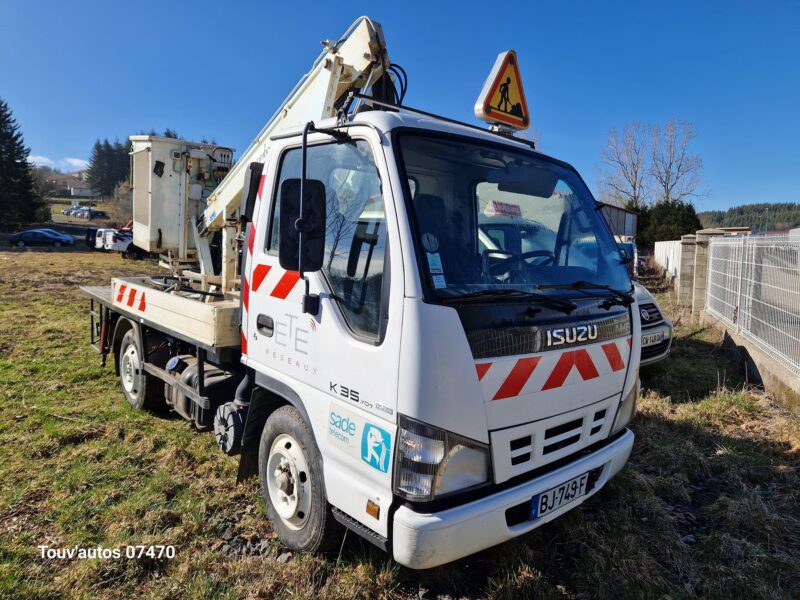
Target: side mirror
[[308, 228]]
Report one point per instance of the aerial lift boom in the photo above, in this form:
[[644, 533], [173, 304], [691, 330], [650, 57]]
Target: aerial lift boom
[[356, 61]]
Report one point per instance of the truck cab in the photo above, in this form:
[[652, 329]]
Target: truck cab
[[472, 364]]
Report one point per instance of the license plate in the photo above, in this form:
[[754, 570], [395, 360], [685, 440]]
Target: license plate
[[555, 498], [651, 339]]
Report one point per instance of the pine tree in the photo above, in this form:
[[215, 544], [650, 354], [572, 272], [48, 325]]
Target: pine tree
[[95, 175], [108, 165], [19, 201]]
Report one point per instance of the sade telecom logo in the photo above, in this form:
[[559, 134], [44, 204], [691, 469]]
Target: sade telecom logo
[[376, 447]]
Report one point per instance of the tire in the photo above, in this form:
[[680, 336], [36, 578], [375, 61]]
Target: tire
[[142, 391], [20, 244], [57, 244], [290, 471]]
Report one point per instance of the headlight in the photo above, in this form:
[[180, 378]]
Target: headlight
[[432, 462], [627, 408]]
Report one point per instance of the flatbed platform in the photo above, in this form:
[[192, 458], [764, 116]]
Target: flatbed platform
[[209, 325]]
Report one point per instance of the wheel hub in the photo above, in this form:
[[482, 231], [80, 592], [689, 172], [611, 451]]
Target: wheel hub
[[130, 370], [289, 481]]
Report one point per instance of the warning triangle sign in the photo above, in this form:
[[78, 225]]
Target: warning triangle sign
[[502, 99]]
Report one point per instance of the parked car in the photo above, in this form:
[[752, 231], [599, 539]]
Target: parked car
[[656, 327], [88, 213], [41, 237]]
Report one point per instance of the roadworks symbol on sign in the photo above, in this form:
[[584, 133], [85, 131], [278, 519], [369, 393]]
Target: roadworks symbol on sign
[[502, 99]]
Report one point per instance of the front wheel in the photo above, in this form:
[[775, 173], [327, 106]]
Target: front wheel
[[290, 469], [20, 244]]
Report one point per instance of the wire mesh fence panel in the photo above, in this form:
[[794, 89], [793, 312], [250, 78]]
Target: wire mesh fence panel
[[754, 285], [724, 277]]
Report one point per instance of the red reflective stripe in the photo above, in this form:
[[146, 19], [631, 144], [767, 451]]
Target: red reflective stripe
[[481, 369], [574, 358], [259, 273], [121, 292], [560, 372], [613, 356], [131, 296], [285, 284], [261, 186], [244, 343], [518, 377], [142, 303], [245, 293], [251, 239], [630, 341]]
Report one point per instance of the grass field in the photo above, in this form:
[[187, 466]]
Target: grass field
[[709, 504]]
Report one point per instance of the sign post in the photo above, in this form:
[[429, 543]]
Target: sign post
[[502, 99]]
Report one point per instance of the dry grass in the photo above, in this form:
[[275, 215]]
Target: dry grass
[[708, 505]]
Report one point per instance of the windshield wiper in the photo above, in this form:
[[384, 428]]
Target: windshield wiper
[[625, 297], [561, 304]]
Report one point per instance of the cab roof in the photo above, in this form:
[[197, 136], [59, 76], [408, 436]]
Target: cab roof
[[386, 121]]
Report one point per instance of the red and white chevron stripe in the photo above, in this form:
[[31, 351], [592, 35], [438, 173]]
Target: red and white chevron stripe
[[511, 377], [127, 295], [251, 239]]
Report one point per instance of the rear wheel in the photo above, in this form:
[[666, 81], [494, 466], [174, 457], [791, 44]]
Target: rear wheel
[[290, 469], [20, 244], [57, 244], [141, 390]]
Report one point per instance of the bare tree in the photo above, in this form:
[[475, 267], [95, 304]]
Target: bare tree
[[676, 173], [625, 159]]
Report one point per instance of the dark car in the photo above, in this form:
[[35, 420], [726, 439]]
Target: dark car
[[41, 237]]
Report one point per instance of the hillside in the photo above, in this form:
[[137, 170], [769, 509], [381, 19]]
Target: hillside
[[777, 217]]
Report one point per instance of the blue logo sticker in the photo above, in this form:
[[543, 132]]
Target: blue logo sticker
[[376, 447]]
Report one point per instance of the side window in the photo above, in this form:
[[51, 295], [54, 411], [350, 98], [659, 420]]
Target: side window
[[355, 238]]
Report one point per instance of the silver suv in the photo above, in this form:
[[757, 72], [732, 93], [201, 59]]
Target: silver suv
[[656, 328]]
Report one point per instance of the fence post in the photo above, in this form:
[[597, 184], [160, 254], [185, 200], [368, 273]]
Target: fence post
[[700, 283], [739, 278], [686, 270]]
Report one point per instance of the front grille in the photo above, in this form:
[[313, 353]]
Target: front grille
[[655, 349], [493, 342], [653, 314], [520, 449]]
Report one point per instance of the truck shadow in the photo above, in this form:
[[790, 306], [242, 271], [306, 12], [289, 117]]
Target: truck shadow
[[697, 365]]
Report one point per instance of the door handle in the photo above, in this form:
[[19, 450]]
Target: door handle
[[265, 325]]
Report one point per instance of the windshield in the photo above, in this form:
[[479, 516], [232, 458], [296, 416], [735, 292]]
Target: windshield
[[495, 219]]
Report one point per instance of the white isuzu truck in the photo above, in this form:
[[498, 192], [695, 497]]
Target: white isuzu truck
[[414, 328]]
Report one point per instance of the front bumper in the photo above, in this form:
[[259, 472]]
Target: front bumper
[[658, 352], [422, 541]]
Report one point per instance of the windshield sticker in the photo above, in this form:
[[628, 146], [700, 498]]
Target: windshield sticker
[[497, 208], [430, 242], [435, 263], [439, 282]]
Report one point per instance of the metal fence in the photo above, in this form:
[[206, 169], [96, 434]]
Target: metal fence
[[754, 286]]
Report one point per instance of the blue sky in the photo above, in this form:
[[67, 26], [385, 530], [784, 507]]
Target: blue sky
[[74, 71]]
